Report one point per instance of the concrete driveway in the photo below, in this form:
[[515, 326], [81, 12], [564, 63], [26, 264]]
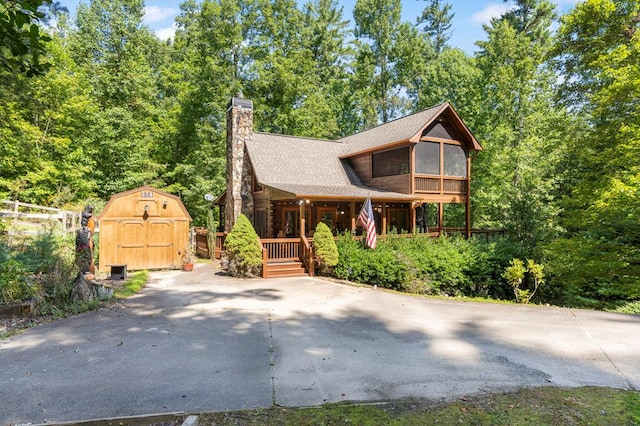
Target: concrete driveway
[[201, 341]]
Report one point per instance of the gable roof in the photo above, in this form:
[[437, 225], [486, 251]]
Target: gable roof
[[405, 129], [115, 197], [306, 168], [299, 167]]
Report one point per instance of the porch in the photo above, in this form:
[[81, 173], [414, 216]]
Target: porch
[[289, 257]]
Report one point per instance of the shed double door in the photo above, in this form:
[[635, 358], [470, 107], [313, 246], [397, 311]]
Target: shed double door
[[146, 244]]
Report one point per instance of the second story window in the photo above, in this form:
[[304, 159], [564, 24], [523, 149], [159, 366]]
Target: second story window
[[428, 158], [430, 155], [455, 161], [391, 163]]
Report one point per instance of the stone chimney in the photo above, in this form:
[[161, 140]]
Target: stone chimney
[[239, 130]]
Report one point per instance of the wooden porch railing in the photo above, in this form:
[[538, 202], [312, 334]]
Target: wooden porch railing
[[440, 184], [282, 249], [307, 255]]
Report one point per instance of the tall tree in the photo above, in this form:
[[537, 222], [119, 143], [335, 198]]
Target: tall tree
[[109, 46], [514, 175], [324, 35], [381, 39], [532, 17], [42, 122], [597, 52], [437, 19], [204, 69]]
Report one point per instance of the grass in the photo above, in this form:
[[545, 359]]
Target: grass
[[536, 406], [132, 285]]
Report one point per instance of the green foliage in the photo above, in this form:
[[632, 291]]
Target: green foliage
[[594, 273], [515, 275], [449, 266], [243, 248], [376, 267], [22, 41], [532, 406], [41, 266], [325, 247], [15, 285]]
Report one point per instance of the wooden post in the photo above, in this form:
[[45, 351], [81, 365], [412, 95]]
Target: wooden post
[[302, 221], [440, 217], [383, 224], [468, 203], [413, 218], [352, 213]]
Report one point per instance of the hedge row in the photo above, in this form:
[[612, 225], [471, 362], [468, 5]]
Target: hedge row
[[438, 266]]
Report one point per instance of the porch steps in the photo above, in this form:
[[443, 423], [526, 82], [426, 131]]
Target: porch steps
[[285, 269]]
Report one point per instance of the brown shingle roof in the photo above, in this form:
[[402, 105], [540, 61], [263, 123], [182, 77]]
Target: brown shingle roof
[[402, 129], [308, 167]]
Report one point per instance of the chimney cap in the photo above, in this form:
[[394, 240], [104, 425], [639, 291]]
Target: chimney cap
[[239, 101]]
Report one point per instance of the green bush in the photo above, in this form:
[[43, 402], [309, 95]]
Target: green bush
[[14, 283], [440, 266], [243, 249], [325, 248], [359, 263], [592, 273]]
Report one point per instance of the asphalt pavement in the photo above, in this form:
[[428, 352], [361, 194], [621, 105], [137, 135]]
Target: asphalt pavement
[[200, 341]]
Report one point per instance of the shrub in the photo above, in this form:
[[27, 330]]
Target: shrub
[[424, 265], [517, 274], [592, 273], [325, 247], [359, 263], [243, 249], [14, 284]]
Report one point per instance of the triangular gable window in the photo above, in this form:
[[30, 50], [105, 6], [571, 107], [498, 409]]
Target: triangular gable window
[[442, 130]]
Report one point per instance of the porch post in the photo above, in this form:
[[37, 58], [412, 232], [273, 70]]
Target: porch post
[[413, 218], [302, 221], [468, 203], [352, 213], [384, 219], [440, 217]]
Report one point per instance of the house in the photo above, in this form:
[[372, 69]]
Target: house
[[413, 169]]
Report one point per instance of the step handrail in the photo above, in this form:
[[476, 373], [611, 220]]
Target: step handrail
[[306, 255]]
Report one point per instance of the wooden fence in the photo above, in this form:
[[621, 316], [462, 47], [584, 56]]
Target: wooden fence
[[31, 216], [202, 243]]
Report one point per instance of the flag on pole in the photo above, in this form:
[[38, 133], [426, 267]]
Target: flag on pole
[[366, 217]]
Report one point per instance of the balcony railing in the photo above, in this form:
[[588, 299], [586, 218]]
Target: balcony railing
[[437, 185]]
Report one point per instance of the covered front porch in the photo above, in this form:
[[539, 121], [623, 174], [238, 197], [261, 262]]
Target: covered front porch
[[286, 225], [299, 217]]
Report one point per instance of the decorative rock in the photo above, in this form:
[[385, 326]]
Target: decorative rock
[[102, 292], [85, 288]]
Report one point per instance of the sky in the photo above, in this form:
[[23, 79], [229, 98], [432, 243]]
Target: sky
[[469, 17]]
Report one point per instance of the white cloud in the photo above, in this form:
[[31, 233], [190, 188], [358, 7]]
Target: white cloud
[[492, 10], [166, 33], [156, 14]]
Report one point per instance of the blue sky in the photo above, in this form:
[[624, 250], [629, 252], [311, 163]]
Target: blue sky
[[467, 23]]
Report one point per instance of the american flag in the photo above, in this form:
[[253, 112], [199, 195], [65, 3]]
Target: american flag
[[366, 217]]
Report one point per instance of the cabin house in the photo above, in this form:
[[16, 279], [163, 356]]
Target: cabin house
[[414, 169]]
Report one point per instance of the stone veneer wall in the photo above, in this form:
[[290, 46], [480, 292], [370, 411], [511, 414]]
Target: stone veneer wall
[[239, 130]]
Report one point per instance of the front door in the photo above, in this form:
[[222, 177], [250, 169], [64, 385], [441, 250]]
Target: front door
[[327, 215]]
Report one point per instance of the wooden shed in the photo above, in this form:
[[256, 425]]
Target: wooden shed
[[143, 228]]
